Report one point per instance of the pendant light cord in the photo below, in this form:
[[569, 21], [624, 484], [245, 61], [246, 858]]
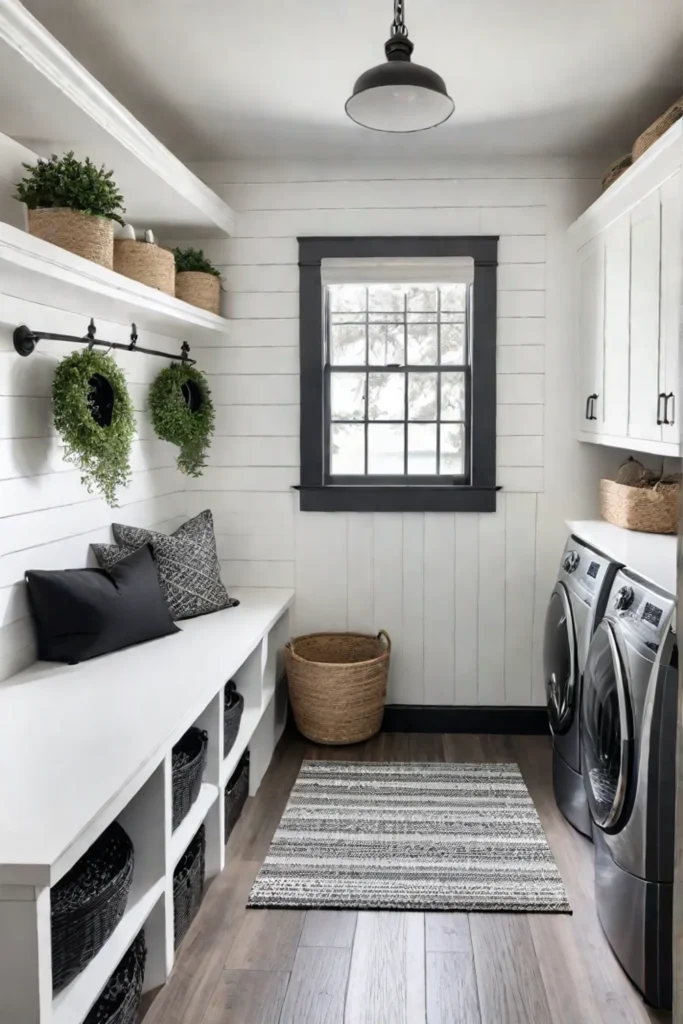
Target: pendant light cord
[[399, 26]]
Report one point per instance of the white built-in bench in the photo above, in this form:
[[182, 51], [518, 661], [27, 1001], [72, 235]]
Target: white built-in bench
[[84, 745]]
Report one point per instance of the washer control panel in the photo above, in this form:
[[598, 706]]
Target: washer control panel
[[644, 612], [583, 569]]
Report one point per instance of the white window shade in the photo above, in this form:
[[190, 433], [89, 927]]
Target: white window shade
[[455, 270]]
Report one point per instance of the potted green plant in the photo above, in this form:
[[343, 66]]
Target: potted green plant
[[182, 413], [197, 281], [94, 414], [73, 204]]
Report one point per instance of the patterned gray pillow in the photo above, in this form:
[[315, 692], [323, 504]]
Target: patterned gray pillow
[[187, 564]]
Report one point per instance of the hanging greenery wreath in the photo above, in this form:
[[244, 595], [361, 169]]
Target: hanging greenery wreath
[[182, 412], [94, 415]]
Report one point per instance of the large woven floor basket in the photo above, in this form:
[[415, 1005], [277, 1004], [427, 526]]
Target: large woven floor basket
[[338, 684]]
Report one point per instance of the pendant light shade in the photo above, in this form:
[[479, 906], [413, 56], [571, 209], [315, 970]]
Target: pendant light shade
[[399, 96]]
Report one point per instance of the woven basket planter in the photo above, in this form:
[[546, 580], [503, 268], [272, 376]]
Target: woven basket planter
[[338, 685], [236, 793], [203, 290], [188, 764], [648, 509], [120, 1000], [657, 129], [188, 886], [146, 263], [87, 236], [232, 716], [88, 903], [615, 170]]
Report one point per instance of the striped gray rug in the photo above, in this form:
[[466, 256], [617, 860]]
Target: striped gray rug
[[410, 837]]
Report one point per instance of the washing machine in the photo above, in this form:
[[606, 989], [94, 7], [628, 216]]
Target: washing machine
[[629, 714], [575, 609]]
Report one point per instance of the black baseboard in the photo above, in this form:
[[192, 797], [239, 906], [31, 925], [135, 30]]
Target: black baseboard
[[520, 721]]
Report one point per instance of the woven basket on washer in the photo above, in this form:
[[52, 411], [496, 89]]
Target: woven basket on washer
[[233, 707], [338, 684], [657, 129], [188, 886], [615, 170], [86, 235], [199, 289], [147, 263], [188, 764], [236, 793], [120, 1000], [648, 509], [88, 903]]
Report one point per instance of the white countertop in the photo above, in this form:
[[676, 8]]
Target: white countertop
[[651, 555]]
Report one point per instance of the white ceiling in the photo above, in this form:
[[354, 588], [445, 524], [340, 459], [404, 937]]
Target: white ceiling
[[235, 79]]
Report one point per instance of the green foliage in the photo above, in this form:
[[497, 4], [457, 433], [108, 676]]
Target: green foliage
[[173, 420], [194, 259], [101, 452], [66, 181]]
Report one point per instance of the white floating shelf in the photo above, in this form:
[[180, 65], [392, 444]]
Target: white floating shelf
[[55, 101], [72, 1004], [183, 835], [30, 267]]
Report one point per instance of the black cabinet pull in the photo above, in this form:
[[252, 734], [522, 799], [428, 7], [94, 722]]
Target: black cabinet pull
[[661, 397], [590, 407], [669, 418]]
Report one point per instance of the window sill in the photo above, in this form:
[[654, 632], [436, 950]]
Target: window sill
[[346, 498]]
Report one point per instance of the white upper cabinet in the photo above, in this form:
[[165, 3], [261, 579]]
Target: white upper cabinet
[[628, 308]]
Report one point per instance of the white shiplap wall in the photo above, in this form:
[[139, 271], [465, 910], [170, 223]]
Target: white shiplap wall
[[462, 596]]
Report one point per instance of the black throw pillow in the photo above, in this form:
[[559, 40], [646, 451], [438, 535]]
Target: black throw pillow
[[83, 613]]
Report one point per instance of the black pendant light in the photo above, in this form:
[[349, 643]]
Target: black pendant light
[[399, 96]]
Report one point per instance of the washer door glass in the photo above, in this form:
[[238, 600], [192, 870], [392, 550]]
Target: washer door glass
[[559, 660], [606, 732]]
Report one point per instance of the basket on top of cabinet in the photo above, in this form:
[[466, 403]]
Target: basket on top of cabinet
[[188, 764], [188, 886], [236, 793], [88, 903], [232, 716], [120, 1000]]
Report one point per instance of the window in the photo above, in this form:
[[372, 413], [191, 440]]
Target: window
[[398, 374]]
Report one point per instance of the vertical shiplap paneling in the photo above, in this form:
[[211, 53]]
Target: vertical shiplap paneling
[[409, 687], [388, 589], [360, 571], [320, 577], [520, 572], [466, 608], [439, 608], [491, 633]]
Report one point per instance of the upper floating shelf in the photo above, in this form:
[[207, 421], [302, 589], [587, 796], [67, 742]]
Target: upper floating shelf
[[52, 104]]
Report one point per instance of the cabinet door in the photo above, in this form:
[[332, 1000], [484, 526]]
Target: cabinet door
[[644, 404], [617, 284], [591, 324], [670, 305]]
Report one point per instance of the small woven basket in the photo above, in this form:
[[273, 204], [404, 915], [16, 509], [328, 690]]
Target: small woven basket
[[188, 764], [82, 233], [338, 685], [648, 509], [657, 128], [233, 706], [149, 264], [203, 290], [188, 886], [120, 1000], [236, 793], [615, 170]]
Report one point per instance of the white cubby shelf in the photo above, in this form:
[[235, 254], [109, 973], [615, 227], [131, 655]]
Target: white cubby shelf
[[91, 744]]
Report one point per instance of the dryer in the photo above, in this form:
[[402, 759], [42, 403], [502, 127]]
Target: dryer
[[575, 609], [629, 715]]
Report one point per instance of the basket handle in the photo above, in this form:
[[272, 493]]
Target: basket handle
[[383, 633]]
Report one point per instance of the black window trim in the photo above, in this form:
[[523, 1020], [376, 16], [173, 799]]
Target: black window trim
[[479, 494]]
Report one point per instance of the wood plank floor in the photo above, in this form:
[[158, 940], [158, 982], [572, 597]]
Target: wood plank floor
[[240, 966]]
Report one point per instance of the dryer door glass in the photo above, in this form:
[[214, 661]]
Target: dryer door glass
[[559, 660], [606, 733]]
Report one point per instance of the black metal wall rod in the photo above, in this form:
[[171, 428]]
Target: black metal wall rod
[[25, 341]]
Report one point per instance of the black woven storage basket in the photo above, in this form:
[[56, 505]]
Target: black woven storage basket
[[120, 1000], [236, 793], [88, 903], [232, 716], [189, 762], [188, 886]]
